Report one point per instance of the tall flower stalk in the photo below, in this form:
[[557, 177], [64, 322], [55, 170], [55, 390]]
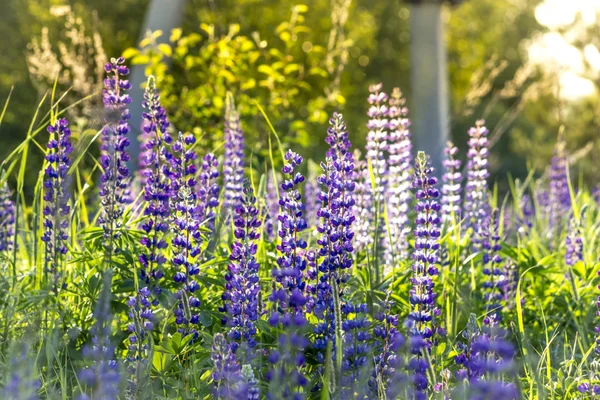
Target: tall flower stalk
[[102, 376], [476, 208], [242, 281], [559, 201], [399, 170], [7, 217], [233, 164], [56, 198], [335, 229], [186, 245], [208, 192], [451, 189], [423, 311], [289, 298], [363, 204], [114, 191], [493, 270]]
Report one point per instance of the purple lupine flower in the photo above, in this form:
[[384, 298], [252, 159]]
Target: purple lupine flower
[[425, 258], [157, 190], [101, 377], [7, 217], [451, 188], [487, 364], [355, 348], [573, 243], [399, 170], [526, 215], [475, 208], [114, 191], [377, 138], [493, 269], [242, 281], [21, 383], [335, 227], [228, 382], [186, 245], [559, 201], [364, 203], [387, 375], [208, 192], [142, 320], [56, 197], [233, 163], [289, 293], [596, 195]]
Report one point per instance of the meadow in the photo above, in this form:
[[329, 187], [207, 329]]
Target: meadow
[[192, 273]]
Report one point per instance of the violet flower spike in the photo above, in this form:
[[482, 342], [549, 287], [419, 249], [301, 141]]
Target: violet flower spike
[[233, 163], [364, 205], [559, 201], [493, 269], [242, 280], [399, 179], [186, 245], [335, 229], [451, 188], [114, 190], [475, 207], [421, 319], [208, 192], [377, 139], [56, 198], [102, 377], [7, 217]]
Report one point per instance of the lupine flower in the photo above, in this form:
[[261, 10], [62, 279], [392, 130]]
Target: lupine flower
[[186, 245], [486, 362], [114, 191], [22, 382], [476, 195], [364, 203], [56, 197], [142, 320], [208, 192], [335, 227], [559, 195], [493, 269], [233, 163], [573, 243], [228, 382], [399, 177], [356, 351], [451, 188], [157, 190], [102, 376], [377, 138], [242, 281], [425, 257], [7, 217], [526, 215], [288, 297], [596, 195], [388, 376]]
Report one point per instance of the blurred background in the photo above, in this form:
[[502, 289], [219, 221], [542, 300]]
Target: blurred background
[[527, 67]]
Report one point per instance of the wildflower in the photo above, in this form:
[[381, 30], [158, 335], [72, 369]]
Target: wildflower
[[399, 177], [242, 281], [22, 382], [233, 164], [559, 201], [186, 245], [271, 207], [102, 376], [114, 191], [475, 208], [492, 269], [289, 294], [228, 382], [387, 376], [425, 257], [335, 227], [451, 188], [356, 350], [573, 243], [377, 138], [7, 217], [363, 205], [56, 198]]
